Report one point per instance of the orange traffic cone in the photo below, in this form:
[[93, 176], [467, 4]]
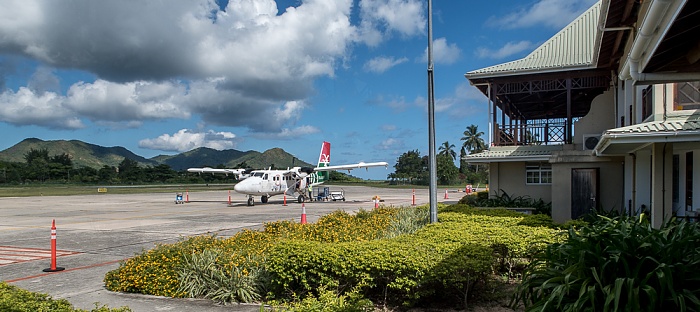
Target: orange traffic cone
[[285, 200], [53, 267], [303, 214], [446, 197]]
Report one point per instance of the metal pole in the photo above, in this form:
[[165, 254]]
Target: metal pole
[[431, 120]]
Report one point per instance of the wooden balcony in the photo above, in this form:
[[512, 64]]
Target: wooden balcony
[[533, 132]]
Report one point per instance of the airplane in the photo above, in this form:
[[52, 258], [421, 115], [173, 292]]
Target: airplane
[[268, 182]]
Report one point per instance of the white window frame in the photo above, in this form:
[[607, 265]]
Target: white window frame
[[538, 174]]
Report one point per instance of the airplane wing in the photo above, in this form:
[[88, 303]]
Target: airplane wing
[[236, 172], [352, 166]]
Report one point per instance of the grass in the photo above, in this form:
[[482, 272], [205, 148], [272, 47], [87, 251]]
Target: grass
[[74, 189], [82, 189]]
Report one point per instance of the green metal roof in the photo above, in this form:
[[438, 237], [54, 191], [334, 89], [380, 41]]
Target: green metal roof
[[514, 153], [574, 47], [670, 125], [675, 129]]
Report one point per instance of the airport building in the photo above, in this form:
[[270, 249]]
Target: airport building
[[605, 115]]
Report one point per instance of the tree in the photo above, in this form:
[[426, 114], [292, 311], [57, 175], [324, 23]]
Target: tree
[[107, 174], [129, 171], [37, 164], [409, 166], [473, 143], [463, 165], [446, 169], [447, 149]]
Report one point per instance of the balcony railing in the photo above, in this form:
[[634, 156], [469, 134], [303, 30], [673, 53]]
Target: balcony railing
[[533, 132]]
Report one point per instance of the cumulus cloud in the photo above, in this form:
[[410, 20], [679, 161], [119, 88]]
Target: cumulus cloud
[[507, 50], [381, 18], [287, 133], [381, 64], [551, 13], [186, 140], [116, 102], [156, 60], [44, 80], [26, 107], [391, 144], [465, 101], [443, 53]]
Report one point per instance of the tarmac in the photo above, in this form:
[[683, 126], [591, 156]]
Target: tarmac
[[96, 232]]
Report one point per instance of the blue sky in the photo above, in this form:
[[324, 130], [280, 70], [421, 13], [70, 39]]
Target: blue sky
[[164, 77]]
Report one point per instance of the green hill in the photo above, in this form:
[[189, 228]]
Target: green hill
[[95, 156], [83, 154]]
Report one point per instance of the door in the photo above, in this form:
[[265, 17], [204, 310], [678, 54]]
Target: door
[[584, 192]]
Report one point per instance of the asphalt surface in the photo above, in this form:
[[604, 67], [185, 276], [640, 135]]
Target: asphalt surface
[[95, 232]]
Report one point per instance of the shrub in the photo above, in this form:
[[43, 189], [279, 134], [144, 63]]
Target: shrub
[[327, 301], [397, 271], [444, 260], [16, 299], [154, 272], [537, 220], [503, 199], [202, 276], [345, 254], [158, 271], [407, 221], [614, 264]]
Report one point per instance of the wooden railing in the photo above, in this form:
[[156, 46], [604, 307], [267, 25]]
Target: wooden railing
[[536, 132]]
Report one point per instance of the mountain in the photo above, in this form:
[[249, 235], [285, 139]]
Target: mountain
[[207, 157], [95, 156], [83, 154]]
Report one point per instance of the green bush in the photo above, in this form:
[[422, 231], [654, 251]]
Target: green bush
[[15, 299], [442, 261], [202, 276], [407, 221], [537, 220], [617, 264], [326, 301], [503, 199], [395, 271]]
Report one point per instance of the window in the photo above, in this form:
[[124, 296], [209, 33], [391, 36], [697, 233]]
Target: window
[[538, 174], [686, 95]]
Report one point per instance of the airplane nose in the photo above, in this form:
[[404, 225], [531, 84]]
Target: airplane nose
[[238, 187]]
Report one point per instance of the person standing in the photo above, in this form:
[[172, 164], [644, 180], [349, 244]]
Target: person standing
[[310, 192]]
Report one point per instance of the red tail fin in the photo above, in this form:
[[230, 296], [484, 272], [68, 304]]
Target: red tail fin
[[325, 158]]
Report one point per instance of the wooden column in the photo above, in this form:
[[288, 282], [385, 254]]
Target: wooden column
[[569, 120]]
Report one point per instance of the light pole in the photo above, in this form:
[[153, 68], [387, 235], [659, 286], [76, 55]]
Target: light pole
[[431, 120]]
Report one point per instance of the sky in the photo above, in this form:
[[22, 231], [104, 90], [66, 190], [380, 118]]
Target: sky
[[161, 77]]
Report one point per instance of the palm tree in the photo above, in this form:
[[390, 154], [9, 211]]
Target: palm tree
[[448, 149], [473, 143]]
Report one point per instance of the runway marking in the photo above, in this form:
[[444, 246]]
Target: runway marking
[[66, 270], [9, 254]]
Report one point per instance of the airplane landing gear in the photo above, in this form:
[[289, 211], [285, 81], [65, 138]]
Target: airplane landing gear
[[264, 199], [251, 201], [300, 199]]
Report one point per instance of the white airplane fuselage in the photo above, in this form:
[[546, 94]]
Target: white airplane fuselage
[[267, 183]]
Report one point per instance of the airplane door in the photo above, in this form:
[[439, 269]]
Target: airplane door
[[265, 184]]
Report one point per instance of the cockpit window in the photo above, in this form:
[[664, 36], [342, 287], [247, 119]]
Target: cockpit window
[[258, 174], [265, 177]]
